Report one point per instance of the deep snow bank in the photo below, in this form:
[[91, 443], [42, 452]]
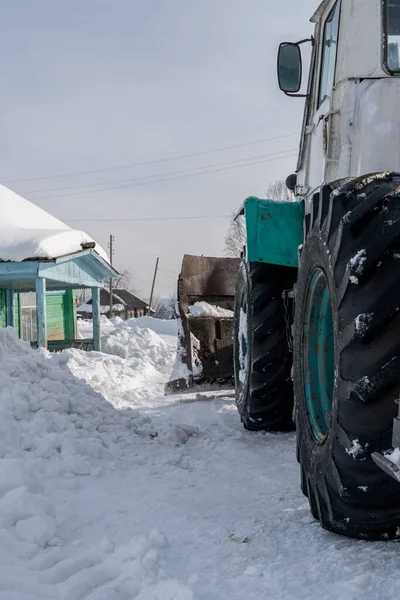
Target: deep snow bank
[[135, 362], [159, 326], [47, 413], [138, 338], [55, 430]]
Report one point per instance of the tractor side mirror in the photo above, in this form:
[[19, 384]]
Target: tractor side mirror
[[290, 67]]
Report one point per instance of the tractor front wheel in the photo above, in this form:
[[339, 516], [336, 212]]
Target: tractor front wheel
[[347, 355]]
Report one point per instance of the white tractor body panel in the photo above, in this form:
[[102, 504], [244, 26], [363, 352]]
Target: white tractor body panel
[[360, 46], [375, 143], [356, 130]]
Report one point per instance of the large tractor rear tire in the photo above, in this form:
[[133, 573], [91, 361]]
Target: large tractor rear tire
[[347, 355], [262, 356]]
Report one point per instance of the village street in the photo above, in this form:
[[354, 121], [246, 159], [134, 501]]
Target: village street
[[117, 492]]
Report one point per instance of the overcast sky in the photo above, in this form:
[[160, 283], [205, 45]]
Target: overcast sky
[[89, 85]]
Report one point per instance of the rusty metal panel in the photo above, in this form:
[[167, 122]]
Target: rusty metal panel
[[212, 280], [208, 276], [215, 336]]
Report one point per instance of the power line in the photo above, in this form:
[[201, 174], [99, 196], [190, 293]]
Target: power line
[[229, 162], [168, 271], [153, 162], [146, 219], [163, 272], [168, 275], [140, 279], [120, 187]]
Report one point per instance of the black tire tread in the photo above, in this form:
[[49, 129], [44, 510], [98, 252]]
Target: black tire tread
[[347, 492], [265, 402]]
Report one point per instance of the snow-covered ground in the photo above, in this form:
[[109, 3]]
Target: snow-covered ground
[[111, 491]]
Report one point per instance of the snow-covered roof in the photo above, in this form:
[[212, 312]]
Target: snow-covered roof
[[121, 298], [29, 232], [104, 308]]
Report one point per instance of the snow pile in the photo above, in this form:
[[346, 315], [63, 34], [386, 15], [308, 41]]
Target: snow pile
[[180, 370], [85, 327], [127, 340], [204, 309], [55, 432], [28, 231], [133, 357], [160, 326], [46, 413]]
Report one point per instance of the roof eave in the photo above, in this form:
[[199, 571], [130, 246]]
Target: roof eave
[[111, 272]]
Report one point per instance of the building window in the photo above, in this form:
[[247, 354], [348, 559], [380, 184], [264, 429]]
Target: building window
[[392, 34], [329, 53]]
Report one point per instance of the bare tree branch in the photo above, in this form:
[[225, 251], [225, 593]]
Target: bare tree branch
[[165, 308], [123, 280], [279, 191], [235, 237]]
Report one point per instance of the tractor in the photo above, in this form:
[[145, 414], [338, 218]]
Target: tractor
[[316, 323]]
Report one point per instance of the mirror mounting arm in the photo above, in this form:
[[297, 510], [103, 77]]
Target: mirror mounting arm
[[305, 41]]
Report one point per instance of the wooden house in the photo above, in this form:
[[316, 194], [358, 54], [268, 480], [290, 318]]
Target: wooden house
[[125, 305]]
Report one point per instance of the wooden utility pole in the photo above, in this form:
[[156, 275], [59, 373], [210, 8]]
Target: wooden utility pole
[[111, 281], [152, 287]]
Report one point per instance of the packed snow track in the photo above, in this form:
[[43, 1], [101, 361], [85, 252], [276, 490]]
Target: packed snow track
[[111, 491]]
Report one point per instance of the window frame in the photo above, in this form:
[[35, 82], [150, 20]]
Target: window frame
[[319, 100], [385, 40]]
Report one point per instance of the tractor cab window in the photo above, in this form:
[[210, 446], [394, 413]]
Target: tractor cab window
[[329, 52], [392, 30]]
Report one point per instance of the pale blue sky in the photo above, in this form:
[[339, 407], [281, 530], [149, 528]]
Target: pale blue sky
[[94, 84]]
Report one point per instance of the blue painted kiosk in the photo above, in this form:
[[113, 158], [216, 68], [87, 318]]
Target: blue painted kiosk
[[40, 254], [85, 269]]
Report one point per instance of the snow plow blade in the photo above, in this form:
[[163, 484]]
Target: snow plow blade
[[206, 293]]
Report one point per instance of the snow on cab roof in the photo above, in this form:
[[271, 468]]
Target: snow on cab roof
[[29, 232]]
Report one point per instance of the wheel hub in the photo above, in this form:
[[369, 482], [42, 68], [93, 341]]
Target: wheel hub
[[318, 356]]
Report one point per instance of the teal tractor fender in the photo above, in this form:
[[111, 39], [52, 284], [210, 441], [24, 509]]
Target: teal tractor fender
[[274, 230]]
